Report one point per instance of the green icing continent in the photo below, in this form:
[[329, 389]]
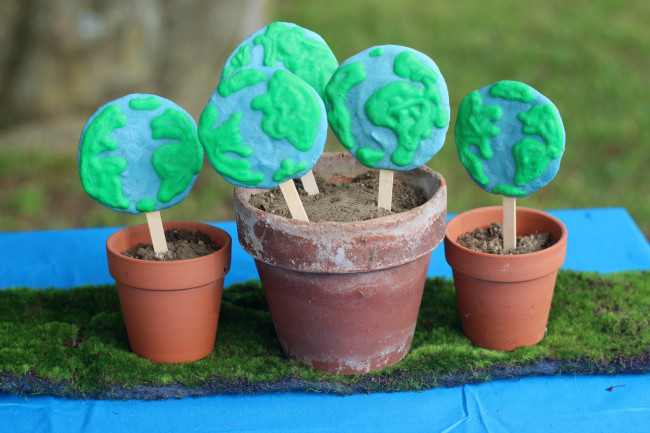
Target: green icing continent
[[369, 157], [308, 58], [288, 168], [240, 80], [100, 175], [150, 103], [408, 110], [544, 120], [531, 160], [336, 91], [291, 110], [178, 161], [512, 91], [509, 190], [376, 52], [532, 157], [241, 59], [146, 205], [474, 128], [224, 139]]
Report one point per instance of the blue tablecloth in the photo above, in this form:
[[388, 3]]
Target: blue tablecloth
[[604, 240], [68, 258]]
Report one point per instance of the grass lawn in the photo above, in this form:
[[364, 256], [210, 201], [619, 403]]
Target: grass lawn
[[73, 343], [590, 58]]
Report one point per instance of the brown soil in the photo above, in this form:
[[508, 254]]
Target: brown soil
[[182, 245], [491, 241], [343, 202]]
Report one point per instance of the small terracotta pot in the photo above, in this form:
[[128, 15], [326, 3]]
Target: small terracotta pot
[[504, 300], [171, 309], [344, 296]]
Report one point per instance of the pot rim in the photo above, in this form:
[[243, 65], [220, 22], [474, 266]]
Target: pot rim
[[558, 242], [244, 194], [263, 234], [111, 240], [200, 270], [505, 267]]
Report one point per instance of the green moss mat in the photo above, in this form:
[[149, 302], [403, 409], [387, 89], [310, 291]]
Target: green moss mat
[[73, 343]]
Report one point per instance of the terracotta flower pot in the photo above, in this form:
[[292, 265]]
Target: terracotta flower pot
[[344, 296], [171, 309], [504, 300]]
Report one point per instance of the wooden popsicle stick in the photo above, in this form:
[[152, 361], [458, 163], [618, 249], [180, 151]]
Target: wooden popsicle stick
[[309, 183], [385, 193], [157, 232], [292, 198], [509, 223]]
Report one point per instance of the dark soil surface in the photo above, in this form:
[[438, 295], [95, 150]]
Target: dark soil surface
[[182, 245], [343, 202], [491, 241]]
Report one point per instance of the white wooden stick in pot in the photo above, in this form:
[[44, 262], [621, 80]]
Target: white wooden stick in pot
[[292, 198], [509, 223], [309, 183], [157, 232], [385, 193]]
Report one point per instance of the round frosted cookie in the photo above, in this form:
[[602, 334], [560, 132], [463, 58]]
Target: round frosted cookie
[[389, 106], [510, 138], [263, 126], [289, 47], [139, 153]]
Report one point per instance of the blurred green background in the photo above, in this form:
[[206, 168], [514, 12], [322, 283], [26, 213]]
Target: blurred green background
[[592, 59]]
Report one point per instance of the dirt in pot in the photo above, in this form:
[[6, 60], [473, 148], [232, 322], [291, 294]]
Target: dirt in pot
[[182, 245], [352, 200], [491, 241]]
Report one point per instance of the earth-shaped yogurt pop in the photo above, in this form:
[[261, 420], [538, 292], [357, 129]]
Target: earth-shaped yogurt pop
[[263, 127], [139, 153], [389, 106], [286, 46], [510, 138]]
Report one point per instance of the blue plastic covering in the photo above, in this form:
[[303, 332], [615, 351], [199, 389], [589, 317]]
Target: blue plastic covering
[[68, 258], [72, 258]]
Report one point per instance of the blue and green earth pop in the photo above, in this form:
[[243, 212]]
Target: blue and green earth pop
[[139, 153], [510, 138], [286, 46], [265, 123], [389, 106]]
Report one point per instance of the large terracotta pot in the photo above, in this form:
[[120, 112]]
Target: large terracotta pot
[[504, 300], [171, 309], [344, 297]]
